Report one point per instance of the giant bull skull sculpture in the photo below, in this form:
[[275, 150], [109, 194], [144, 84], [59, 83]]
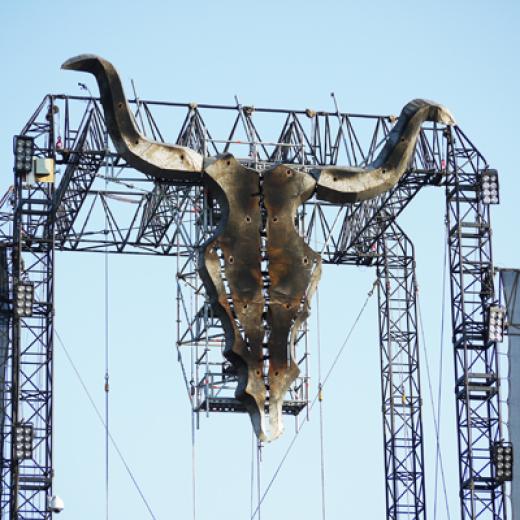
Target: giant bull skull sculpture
[[270, 272]]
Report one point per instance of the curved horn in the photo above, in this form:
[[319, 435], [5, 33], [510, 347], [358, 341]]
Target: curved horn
[[352, 184], [166, 161]]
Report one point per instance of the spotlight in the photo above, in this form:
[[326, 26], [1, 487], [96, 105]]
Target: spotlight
[[23, 154], [55, 504], [489, 187], [23, 440], [24, 299], [496, 322], [502, 454]]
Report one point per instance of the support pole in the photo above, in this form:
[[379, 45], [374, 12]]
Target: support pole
[[26, 477], [476, 364], [400, 381]]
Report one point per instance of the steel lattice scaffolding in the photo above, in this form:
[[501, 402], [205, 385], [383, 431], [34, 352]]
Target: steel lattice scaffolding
[[400, 380], [210, 379], [99, 204], [26, 482], [477, 375]]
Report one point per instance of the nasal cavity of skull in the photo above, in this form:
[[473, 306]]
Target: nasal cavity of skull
[[214, 215], [264, 268]]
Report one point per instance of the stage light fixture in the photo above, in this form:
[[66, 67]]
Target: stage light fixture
[[23, 154], [496, 322], [23, 440], [503, 459], [489, 187], [55, 504], [24, 299]]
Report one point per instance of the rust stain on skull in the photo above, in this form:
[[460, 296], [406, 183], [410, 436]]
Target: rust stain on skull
[[294, 271]]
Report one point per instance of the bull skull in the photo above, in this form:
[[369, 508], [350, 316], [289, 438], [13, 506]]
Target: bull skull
[[271, 272]]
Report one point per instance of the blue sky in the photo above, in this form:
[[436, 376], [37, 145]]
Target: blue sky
[[375, 56]]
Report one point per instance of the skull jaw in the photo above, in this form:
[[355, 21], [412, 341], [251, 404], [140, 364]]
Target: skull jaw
[[280, 379], [252, 394]]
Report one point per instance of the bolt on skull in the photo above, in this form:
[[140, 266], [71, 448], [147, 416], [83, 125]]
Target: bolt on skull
[[257, 270]]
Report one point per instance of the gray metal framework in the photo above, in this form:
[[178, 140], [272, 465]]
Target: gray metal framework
[[100, 204]]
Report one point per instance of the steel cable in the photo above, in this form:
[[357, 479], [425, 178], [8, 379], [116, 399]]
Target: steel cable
[[441, 356], [320, 400], [100, 417], [430, 388], [316, 397], [107, 387]]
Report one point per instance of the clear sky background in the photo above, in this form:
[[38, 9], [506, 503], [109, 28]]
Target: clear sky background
[[376, 56]]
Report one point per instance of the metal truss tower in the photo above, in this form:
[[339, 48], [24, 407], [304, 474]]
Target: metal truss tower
[[400, 381], [26, 482], [149, 217], [477, 375]]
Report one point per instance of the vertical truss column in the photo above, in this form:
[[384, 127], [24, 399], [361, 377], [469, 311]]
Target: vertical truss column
[[476, 363], [400, 382], [6, 357], [26, 480]]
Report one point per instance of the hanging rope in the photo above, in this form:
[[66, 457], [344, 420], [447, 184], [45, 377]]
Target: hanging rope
[[430, 391], [193, 468], [320, 400], [258, 475], [441, 356], [320, 386], [100, 417], [315, 399], [107, 387], [252, 498]]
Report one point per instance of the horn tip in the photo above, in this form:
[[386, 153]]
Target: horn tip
[[445, 116], [438, 112], [82, 62]]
